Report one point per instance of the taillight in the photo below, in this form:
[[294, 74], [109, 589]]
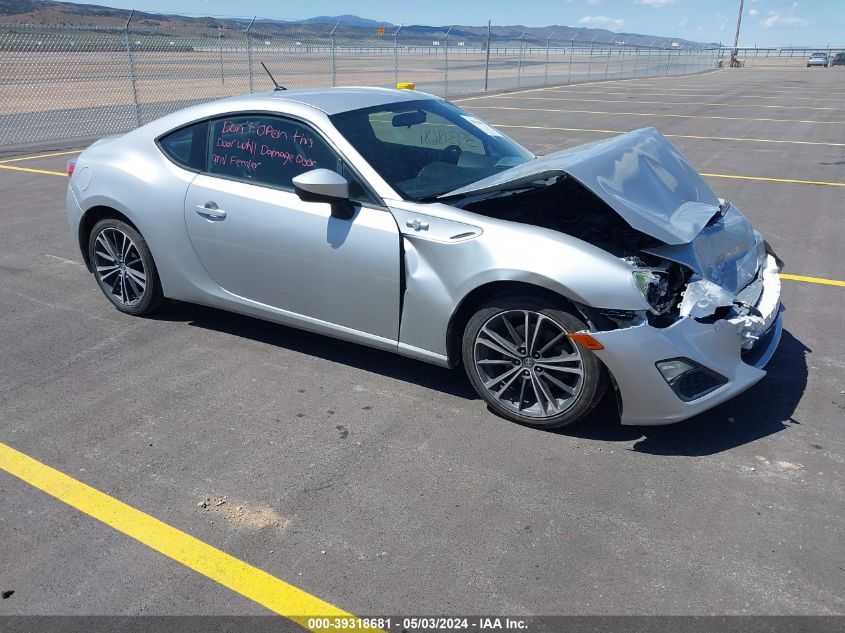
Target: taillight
[[71, 165]]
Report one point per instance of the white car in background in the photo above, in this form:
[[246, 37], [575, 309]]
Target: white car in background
[[818, 59]]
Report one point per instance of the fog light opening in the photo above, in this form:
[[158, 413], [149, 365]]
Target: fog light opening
[[689, 380]]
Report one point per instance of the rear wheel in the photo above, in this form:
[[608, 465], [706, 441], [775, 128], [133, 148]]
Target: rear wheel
[[520, 361], [124, 267]]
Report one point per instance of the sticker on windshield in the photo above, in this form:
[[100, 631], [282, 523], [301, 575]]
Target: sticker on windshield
[[481, 125], [509, 161]]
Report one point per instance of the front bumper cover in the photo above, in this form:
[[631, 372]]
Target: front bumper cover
[[737, 348]]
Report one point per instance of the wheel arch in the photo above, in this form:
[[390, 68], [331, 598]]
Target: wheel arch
[[472, 300], [89, 219]]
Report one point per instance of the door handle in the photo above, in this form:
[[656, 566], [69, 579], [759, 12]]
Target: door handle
[[211, 211], [416, 225]]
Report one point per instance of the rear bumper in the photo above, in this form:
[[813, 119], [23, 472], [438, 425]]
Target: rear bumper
[[737, 349]]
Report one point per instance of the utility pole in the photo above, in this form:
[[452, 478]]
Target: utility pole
[[734, 51]]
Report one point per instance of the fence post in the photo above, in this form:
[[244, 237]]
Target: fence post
[[446, 62], [546, 70], [590, 61], [249, 54], [220, 49], [648, 61], [636, 59], [668, 60], [487, 61], [621, 61], [519, 60], [607, 62], [131, 64], [396, 55], [571, 53], [334, 66]]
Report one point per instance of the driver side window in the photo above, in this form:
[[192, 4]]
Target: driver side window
[[272, 151]]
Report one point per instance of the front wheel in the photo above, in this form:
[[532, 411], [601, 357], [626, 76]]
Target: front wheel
[[124, 267], [520, 361]]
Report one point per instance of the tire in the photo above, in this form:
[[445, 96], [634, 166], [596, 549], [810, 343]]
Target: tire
[[124, 268], [508, 371]]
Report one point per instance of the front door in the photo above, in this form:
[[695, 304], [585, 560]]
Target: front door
[[258, 240]]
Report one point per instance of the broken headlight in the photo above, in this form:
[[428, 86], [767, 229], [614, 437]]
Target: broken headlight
[[655, 284]]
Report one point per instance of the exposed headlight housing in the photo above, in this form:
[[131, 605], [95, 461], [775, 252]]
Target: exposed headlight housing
[[688, 379], [654, 285]]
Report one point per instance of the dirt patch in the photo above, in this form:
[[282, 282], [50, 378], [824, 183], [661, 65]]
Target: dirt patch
[[243, 515]]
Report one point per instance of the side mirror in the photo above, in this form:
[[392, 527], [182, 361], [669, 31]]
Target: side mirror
[[324, 185]]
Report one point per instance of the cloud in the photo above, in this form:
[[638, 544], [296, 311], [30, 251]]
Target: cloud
[[683, 23], [753, 12], [777, 21], [593, 1], [656, 3], [602, 22]]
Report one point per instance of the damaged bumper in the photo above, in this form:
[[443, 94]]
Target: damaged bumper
[[725, 357]]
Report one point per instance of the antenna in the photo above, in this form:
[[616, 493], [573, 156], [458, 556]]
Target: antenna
[[273, 79]]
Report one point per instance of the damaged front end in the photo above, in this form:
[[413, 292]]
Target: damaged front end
[[711, 281], [714, 323]]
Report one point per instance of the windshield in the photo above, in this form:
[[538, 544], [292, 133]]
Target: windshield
[[428, 147]]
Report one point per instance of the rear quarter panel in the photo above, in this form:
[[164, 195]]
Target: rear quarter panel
[[132, 176]]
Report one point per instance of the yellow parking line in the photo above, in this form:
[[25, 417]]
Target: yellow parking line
[[814, 280], [664, 114], [681, 89], [562, 129], [789, 180], [34, 171], [20, 158], [689, 136], [583, 83], [251, 582], [692, 103], [660, 94]]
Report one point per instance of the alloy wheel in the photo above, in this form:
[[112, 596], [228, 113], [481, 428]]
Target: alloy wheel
[[119, 267], [526, 362]]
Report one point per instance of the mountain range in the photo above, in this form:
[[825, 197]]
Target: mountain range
[[49, 12]]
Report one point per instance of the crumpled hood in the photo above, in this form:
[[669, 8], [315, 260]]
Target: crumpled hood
[[640, 175], [728, 252]]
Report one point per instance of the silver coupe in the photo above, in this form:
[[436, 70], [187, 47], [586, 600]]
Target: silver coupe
[[397, 220]]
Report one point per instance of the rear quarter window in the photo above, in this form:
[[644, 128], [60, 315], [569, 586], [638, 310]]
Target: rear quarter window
[[187, 146]]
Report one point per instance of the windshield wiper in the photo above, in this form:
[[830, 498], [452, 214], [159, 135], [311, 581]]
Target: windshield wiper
[[433, 197]]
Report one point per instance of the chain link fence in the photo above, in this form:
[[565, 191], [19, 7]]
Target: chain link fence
[[60, 83]]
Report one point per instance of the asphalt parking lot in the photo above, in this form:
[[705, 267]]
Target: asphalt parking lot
[[382, 485]]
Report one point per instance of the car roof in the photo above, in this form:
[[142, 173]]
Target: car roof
[[346, 98]]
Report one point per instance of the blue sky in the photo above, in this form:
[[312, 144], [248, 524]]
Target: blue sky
[[764, 22]]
